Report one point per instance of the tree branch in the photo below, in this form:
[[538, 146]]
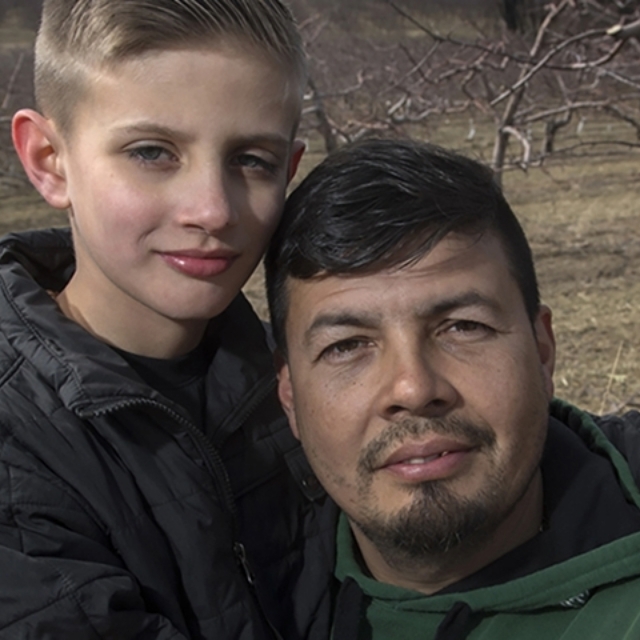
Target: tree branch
[[12, 80], [623, 32]]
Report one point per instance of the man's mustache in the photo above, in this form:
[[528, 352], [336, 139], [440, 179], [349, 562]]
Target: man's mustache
[[469, 433]]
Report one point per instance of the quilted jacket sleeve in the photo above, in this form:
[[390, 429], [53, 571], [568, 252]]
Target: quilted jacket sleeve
[[59, 577]]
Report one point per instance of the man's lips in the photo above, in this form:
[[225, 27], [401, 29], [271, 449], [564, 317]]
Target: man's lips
[[425, 451], [427, 461], [197, 263]]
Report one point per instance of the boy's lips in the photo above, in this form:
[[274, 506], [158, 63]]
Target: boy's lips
[[433, 460], [197, 263]]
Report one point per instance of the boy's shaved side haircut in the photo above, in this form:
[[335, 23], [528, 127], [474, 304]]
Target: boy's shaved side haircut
[[76, 35]]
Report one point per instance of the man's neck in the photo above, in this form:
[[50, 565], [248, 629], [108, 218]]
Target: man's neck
[[432, 573]]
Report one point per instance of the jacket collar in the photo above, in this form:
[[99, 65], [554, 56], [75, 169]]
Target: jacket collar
[[86, 374]]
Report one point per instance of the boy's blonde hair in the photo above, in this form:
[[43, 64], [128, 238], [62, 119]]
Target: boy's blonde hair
[[77, 37]]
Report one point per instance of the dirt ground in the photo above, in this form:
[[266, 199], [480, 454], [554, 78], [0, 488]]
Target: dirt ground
[[583, 225]]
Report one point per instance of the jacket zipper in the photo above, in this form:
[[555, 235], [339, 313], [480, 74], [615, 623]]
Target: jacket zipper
[[236, 421], [212, 460], [217, 470]]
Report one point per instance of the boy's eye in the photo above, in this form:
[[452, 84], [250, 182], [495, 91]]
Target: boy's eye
[[255, 162], [151, 154]]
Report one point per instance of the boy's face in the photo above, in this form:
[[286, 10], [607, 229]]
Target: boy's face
[[175, 173]]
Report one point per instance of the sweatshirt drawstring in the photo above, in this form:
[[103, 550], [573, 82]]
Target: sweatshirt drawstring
[[348, 611], [453, 625]]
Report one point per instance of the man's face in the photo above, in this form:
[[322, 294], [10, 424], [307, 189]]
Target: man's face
[[176, 169], [420, 395]]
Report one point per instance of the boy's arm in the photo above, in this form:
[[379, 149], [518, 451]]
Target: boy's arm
[[58, 576]]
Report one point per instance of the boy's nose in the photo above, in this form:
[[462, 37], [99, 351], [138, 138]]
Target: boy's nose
[[211, 203]]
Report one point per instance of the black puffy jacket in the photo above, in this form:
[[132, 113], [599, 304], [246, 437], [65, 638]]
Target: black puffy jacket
[[117, 518]]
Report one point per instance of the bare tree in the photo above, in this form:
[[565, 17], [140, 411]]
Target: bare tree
[[576, 62], [16, 90]]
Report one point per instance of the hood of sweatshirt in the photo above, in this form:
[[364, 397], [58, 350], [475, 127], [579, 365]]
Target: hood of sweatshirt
[[602, 548]]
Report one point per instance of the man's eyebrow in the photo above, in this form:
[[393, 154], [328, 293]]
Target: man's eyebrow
[[369, 320], [340, 319], [467, 299]]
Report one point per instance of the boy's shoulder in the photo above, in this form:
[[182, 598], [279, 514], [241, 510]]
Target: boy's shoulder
[[45, 254], [32, 336]]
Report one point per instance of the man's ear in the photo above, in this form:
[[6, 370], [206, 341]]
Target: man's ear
[[297, 151], [546, 346], [285, 392], [39, 148]]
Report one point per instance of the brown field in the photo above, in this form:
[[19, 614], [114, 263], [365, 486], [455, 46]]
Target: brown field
[[581, 215]]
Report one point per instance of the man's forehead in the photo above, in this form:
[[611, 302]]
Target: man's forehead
[[458, 271], [455, 252]]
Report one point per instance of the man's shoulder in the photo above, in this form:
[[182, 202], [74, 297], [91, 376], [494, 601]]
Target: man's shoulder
[[604, 432], [624, 433], [615, 426]]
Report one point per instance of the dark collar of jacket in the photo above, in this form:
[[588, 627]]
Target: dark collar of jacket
[[87, 375]]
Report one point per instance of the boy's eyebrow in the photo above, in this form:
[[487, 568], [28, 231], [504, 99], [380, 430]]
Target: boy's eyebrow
[[152, 128], [272, 139]]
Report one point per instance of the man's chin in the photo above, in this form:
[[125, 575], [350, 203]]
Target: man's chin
[[435, 522]]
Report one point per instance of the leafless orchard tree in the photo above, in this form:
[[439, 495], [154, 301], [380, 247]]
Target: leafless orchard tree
[[16, 90], [577, 61], [381, 66], [16, 86]]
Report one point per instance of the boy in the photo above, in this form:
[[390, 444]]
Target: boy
[[142, 451]]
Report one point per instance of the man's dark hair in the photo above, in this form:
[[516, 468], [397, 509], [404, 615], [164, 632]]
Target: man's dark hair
[[381, 204]]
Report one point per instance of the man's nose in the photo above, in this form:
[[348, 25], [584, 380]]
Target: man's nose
[[416, 383], [210, 201]]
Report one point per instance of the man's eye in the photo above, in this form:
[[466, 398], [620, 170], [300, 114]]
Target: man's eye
[[344, 349], [150, 154], [469, 328]]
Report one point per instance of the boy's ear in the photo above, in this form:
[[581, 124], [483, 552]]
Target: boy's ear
[[297, 150], [39, 146], [285, 392]]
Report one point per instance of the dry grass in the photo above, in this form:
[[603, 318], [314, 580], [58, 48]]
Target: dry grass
[[582, 219]]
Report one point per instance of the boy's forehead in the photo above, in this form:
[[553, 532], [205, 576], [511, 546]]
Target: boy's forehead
[[228, 48], [192, 70], [74, 46]]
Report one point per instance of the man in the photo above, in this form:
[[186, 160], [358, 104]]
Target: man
[[416, 369]]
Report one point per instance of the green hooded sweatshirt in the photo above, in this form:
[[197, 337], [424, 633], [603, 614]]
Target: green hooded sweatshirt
[[593, 595]]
